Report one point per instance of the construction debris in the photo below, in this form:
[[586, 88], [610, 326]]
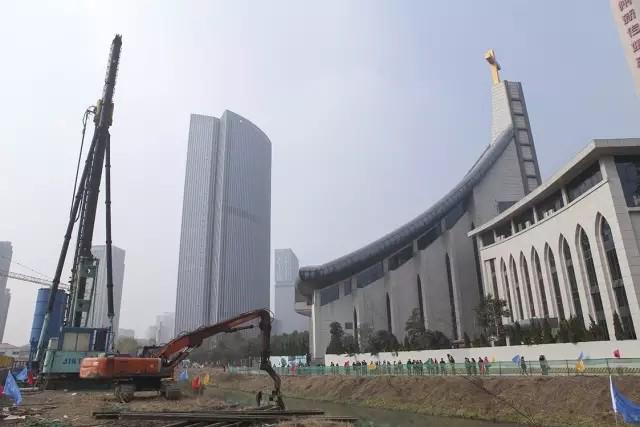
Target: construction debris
[[250, 417]]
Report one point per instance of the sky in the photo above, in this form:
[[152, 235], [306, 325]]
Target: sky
[[375, 109]]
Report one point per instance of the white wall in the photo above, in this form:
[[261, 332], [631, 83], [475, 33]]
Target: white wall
[[567, 351]]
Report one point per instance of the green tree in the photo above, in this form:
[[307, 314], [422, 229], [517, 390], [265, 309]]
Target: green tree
[[563, 332], [489, 314], [617, 327], [576, 330], [336, 346], [383, 340], [437, 340], [596, 331], [547, 335], [127, 345], [515, 333], [350, 345], [364, 334], [415, 338], [467, 340]]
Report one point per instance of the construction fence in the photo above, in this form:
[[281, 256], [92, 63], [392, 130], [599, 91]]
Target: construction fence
[[618, 366]]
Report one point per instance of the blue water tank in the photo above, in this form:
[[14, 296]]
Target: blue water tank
[[55, 321]]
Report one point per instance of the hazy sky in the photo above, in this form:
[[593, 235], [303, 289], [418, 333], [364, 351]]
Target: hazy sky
[[374, 109]]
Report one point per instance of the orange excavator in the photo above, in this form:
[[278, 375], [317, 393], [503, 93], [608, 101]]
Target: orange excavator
[[154, 368]]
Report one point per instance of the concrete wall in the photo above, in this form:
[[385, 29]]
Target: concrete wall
[[566, 351]]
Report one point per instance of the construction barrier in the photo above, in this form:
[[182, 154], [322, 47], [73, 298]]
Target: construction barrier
[[502, 368]]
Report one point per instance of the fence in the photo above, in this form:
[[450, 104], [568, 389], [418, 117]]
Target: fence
[[547, 367]]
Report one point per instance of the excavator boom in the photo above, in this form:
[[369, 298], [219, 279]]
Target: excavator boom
[[160, 362]]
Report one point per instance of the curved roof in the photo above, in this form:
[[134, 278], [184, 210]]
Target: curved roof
[[314, 277]]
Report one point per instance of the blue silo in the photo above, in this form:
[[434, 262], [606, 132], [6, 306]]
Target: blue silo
[[56, 319]]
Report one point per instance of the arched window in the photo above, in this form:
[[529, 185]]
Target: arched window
[[516, 283], [556, 284], [476, 258], [452, 299], [594, 289], [617, 283], [543, 294], [571, 275], [355, 326], [505, 280], [389, 314], [527, 284], [420, 303]]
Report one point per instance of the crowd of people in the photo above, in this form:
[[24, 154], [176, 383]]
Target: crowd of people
[[430, 366]]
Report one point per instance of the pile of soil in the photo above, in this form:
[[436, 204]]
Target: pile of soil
[[546, 401]]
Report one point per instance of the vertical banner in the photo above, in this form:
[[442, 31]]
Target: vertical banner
[[626, 14]]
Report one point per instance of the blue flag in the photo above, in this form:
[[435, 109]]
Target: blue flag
[[22, 375], [11, 389], [581, 356], [629, 410], [184, 376], [516, 359]]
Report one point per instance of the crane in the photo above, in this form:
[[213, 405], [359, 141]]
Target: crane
[[83, 210], [31, 279]]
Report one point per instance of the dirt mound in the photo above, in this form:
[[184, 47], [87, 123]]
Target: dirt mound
[[551, 401]]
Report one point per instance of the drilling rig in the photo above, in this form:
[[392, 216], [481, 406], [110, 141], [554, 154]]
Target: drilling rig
[[58, 359]]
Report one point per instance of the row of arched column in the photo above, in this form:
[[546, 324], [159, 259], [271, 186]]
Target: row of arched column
[[561, 283]]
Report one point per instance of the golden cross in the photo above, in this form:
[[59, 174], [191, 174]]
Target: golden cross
[[490, 56]]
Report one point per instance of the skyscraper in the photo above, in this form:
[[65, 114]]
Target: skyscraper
[[223, 266], [286, 271], [165, 324], [6, 252], [98, 312]]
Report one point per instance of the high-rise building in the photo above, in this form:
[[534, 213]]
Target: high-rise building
[[6, 252], [286, 272], [223, 267], [126, 333], [98, 312], [165, 327], [626, 14]]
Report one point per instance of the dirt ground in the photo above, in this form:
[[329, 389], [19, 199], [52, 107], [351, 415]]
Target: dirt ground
[[58, 408], [545, 401], [74, 408]]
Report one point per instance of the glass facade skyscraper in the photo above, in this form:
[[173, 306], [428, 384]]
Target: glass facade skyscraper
[[223, 267]]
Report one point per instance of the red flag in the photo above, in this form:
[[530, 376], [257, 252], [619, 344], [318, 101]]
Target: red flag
[[616, 353], [30, 379], [195, 384]]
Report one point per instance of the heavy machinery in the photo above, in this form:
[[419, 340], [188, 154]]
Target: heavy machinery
[[58, 358], [154, 370]]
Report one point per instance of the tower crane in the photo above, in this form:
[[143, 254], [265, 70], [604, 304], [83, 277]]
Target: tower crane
[[30, 279]]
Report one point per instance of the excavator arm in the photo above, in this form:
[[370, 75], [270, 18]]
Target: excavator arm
[[176, 350]]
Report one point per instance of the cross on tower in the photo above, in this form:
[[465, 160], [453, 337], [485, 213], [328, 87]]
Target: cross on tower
[[490, 56]]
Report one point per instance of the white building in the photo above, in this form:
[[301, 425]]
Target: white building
[[6, 253], [286, 271], [223, 267], [165, 327], [97, 316], [430, 264], [571, 247]]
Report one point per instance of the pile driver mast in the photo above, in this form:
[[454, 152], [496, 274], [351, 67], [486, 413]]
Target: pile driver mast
[[83, 210]]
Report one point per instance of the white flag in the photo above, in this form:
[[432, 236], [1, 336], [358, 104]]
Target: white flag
[[613, 399]]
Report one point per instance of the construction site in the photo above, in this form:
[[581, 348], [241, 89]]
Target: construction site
[[73, 371], [69, 355]]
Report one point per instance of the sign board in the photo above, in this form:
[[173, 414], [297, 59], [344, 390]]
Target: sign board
[[626, 14]]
